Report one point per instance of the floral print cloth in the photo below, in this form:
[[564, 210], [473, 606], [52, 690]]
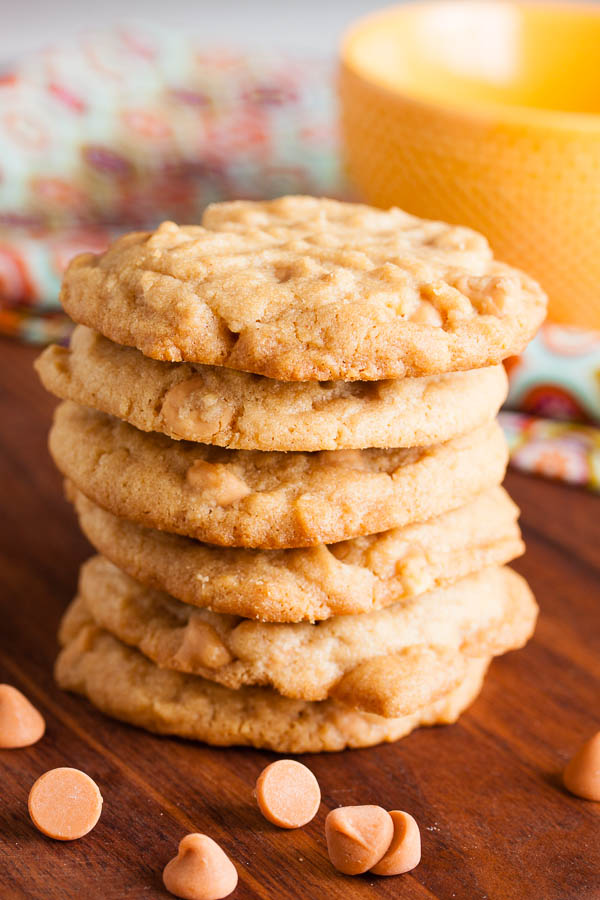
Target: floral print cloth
[[119, 130], [558, 376], [554, 449]]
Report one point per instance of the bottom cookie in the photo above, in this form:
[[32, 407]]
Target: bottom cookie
[[389, 662], [123, 683]]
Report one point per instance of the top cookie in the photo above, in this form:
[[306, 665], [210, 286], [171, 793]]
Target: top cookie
[[303, 289]]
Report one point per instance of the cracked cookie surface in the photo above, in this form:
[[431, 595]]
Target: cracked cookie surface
[[301, 289]]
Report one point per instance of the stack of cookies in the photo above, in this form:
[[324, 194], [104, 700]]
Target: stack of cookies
[[278, 432]]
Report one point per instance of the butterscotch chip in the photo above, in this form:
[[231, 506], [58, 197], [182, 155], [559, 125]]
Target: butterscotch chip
[[201, 646], [582, 774], [233, 409], [288, 794], [189, 408], [20, 723], [357, 837], [344, 459], [404, 852], [217, 484], [200, 871], [65, 804], [302, 289]]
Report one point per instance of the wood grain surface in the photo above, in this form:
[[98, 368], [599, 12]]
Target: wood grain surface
[[495, 822]]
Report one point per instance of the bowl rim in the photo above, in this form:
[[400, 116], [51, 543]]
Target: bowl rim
[[479, 111]]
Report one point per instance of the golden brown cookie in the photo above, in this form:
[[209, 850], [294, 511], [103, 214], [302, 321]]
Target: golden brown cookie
[[387, 662], [123, 683], [304, 289], [314, 583], [248, 412], [255, 499]]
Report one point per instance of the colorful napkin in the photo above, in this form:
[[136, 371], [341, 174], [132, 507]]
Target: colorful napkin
[[554, 449], [558, 376], [120, 130]]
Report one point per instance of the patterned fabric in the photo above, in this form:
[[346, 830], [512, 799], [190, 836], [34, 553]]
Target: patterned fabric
[[559, 450], [558, 376], [123, 129]]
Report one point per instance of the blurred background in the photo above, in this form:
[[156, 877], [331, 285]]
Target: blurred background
[[248, 24], [116, 116]]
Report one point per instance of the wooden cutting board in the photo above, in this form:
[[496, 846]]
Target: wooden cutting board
[[495, 822]]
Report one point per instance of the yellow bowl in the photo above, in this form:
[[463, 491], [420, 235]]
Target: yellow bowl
[[486, 114]]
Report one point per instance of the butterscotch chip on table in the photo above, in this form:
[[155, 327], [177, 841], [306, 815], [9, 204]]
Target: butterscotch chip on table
[[288, 794], [357, 837], [404, 852], [582, 774], [21, 724], [65, 804], [388, 662], [188, 401], [302, 289], [200, 871], [121, 682], [268, 500]]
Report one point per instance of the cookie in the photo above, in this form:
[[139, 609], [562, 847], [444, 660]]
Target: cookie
[[249, 412], [388, 662], [123, 683], [303, 289], [315, 583], [271, 500]]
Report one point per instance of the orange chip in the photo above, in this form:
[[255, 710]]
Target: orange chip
[[404, 853], [200, 871], [20, 723], [582, 775], [288, 794], [358, 837], [65, 804]]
